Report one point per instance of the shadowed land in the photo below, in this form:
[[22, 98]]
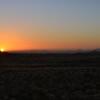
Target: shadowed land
[[50, 59], [50, 76]]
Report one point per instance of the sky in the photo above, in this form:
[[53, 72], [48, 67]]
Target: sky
[[49, 24]]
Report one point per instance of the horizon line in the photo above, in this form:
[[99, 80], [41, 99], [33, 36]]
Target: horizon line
[[53, 50]]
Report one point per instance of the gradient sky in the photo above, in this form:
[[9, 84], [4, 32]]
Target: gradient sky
[[49, 24]]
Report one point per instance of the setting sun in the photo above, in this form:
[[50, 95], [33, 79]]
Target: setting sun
[[2, 50]]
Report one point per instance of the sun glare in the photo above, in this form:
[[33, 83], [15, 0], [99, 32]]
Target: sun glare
[[2, 50]]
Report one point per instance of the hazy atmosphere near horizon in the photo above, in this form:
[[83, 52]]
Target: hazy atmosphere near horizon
[[49, 24]]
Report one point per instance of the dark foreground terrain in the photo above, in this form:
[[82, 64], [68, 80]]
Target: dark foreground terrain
[[50, 76]]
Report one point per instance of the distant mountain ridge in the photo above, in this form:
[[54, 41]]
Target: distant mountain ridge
[[97, 49], [58, 51]]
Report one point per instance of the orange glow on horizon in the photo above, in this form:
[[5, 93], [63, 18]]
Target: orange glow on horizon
[[14, 42], [18, 44]]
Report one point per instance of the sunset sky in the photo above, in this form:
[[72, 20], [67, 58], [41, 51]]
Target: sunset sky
[[49, 24]]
